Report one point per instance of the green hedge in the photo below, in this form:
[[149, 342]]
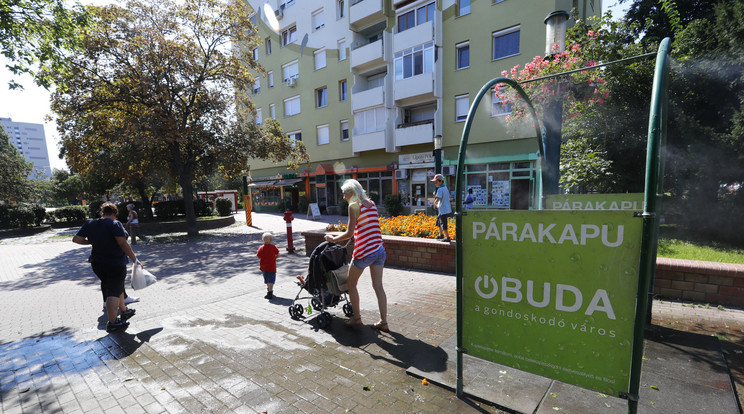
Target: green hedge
[[167, 210], [223, 205], [71, 213]]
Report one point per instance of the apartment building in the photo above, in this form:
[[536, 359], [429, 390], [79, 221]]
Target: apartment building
[[30, 141], [371, 86]]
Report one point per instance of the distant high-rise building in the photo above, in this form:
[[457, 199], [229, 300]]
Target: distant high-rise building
[[30, 141]]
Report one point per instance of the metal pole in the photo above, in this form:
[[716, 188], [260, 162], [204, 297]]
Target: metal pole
[[458, 201], [654, 173], [552, 137]]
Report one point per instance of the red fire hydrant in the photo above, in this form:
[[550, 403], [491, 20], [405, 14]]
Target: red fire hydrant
[[288, 218]]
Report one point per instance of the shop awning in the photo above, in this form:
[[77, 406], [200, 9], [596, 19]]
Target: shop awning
[[263, 184], [291, 181]]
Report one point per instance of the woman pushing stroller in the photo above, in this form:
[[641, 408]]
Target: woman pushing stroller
[[364, 226]]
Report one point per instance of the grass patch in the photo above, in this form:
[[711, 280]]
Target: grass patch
[[673, 248]]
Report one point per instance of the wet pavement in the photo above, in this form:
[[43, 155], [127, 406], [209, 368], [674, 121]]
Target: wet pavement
[[205, 340]]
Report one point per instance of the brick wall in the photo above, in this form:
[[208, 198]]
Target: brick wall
[[687, 280]]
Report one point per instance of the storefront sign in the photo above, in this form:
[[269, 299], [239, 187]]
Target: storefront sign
[[418, 158], [553, 293], [611, 202]]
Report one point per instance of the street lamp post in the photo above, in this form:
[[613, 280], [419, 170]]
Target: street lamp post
[[437, 154], [556, 24]]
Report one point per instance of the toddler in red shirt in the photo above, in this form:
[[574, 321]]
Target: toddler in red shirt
[[268, 254]]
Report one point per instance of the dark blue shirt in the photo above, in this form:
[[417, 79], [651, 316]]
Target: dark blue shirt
[[101, 234]]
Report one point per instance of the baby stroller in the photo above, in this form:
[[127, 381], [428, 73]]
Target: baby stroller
[[325, 282]]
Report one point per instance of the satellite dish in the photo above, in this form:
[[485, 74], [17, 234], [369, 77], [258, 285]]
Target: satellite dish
[[268, 12], [303, 44]]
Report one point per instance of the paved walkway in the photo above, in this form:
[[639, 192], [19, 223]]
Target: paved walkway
[[205, 340]]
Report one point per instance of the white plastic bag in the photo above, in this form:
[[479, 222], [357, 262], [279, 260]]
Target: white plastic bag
[[141, 278]]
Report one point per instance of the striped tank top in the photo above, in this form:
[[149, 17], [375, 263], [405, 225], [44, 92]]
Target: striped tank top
[[367, 234]]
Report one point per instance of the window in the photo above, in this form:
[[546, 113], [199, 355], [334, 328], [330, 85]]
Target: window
[[376, 81], [344, 130], [323, 137], [499, 107], [371, 120], [462, 104], [320, 59], [289, 36], [291, 71], [463, 55], [292, 106], [342, 49], [272, 111], [343, 93], [318, 19], [259, 117], [415, 17], [463, 7], [267, 42], [270, 75], [414, 61], [321, 97], [295, 136], [340, 13], [257, 86], [283, 4], [254, 53], [506, 43]]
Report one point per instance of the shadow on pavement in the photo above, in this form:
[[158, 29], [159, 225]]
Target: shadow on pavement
[[196, 262]]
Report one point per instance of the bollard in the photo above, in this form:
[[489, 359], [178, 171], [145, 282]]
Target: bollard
[[288, 218]]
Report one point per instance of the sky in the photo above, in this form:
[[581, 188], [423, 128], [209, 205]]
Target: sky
[[32, 103]]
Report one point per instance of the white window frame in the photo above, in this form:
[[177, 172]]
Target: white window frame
[[254, 53], [272, 111], [340, 12], [459, 8], [343, 90], [323, 134], [259, 116], [295, 136], [502, 33], [270, 75], [289, 106], [267, 42], [462, 105], [370, 120], [400, 59], [324, 102], [288, 70], [317, 19], [342, 49], [458, 47], [319, 58], [344, 124], [289, 35], [257, 86]]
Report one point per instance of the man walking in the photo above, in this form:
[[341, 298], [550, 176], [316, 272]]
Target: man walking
[[443, 206]]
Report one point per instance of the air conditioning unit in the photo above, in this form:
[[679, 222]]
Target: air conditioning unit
[[291, 82], [449, 169], [279, 13], [401, 174]]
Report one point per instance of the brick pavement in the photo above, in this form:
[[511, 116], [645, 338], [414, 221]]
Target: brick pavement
[[205, 340]]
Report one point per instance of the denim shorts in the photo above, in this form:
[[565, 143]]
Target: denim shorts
[[377, 258], [269, 277]]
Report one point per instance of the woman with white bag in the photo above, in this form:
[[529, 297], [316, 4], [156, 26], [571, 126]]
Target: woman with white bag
[[108, 258]]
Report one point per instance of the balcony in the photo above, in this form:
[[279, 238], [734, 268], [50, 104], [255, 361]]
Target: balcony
[[419, 86], [364, 12], [368, 141], [366, 56], [414, 133], [413, 37], [366, 99]]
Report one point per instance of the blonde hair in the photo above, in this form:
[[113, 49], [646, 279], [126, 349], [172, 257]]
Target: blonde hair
[[358, 192], [267, 238]]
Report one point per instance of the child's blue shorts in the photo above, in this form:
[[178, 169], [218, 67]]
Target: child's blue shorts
[[269, 277]]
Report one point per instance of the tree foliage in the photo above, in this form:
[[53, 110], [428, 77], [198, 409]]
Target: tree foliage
[[14, 170], [36, 34], [159, 89]]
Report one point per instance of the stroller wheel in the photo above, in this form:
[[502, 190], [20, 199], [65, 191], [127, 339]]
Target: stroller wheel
[[316, 304], [299, 310], [324, 320], [292, 312], [348, 310]]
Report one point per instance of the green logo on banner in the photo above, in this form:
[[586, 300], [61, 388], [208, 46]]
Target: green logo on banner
[[553, 293]]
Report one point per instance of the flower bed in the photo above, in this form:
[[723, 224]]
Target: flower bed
[[418, 225]]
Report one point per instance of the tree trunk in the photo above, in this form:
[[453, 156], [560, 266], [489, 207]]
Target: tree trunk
[[146, 204], [188, 200]]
